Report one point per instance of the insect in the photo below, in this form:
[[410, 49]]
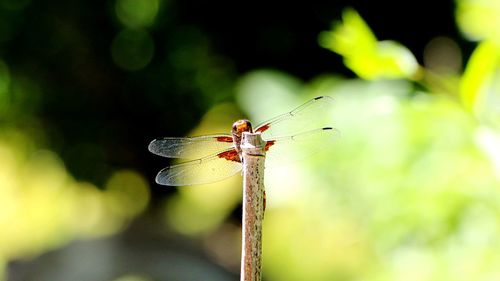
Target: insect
[[216, 157]]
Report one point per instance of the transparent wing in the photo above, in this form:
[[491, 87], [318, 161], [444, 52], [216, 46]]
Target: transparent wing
[[312, 114], [191, 147], [205, 170], [289, 149]]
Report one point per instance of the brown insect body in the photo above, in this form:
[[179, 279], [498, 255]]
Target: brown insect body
[[238, 128]]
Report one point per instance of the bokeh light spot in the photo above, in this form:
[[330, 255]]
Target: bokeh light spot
[[14, 4], [4, 85], [478, 20], [137, 13], [133, 277], [4, 77], [95, 222], [132, 49], [128, 193], [42, 206]]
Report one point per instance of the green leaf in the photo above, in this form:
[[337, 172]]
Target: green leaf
[[479, 71], [363, 54], [351, 36]]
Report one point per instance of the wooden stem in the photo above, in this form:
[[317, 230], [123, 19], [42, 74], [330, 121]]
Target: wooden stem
[[253, 148]]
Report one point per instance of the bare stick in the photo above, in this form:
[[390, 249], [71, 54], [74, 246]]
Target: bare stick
[[253, 148]]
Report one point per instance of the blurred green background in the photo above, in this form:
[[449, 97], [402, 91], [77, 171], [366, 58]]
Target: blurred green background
[[409, 192]]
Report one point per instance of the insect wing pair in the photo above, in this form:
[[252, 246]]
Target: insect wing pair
[[216, 158]]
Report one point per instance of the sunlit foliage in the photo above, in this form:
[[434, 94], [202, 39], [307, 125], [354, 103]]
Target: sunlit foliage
[[479, 86], [410, 190], [363, 54]]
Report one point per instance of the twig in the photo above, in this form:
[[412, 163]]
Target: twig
[[253, 148]]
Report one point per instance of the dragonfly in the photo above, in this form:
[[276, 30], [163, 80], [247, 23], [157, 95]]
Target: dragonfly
[[217, 157]]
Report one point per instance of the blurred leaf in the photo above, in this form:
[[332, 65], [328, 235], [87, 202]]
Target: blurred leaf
[[363, 54], [479, 19], [352, 35], [478, 74]]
